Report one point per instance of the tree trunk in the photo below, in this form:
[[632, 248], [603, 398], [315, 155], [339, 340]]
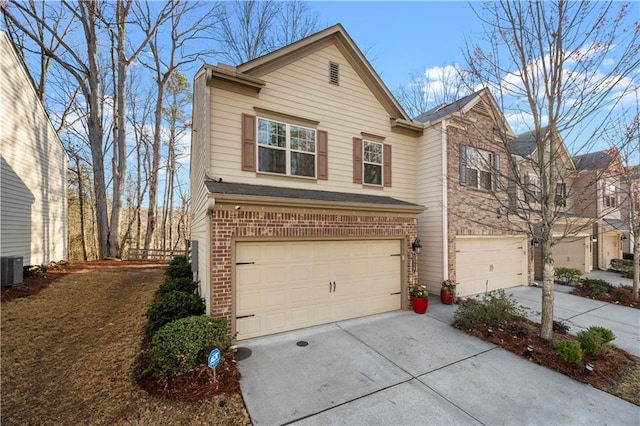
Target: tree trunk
[[155, 168], [81, 203], [636, 266], [96, 131], [548, 273]]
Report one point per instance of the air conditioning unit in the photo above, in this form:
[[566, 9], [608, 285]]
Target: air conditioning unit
[[10, 271]]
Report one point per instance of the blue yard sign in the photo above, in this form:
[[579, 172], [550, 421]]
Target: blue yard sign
[[214, 358]]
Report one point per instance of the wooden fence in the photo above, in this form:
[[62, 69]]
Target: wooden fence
[[153, 254]]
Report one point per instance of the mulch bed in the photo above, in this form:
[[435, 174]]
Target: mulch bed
[[195, 384], [606, 297], [608, 374]]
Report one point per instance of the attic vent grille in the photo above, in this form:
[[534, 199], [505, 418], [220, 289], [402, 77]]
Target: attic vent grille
[[333, 73], [481, 107]]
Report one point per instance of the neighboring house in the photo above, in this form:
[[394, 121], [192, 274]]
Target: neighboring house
[[571, 232], [303, 183], [598, 196], [33, 178], [466, 232], [630, 203]]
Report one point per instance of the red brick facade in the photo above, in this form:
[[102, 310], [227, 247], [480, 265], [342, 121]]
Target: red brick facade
[[227, 225]]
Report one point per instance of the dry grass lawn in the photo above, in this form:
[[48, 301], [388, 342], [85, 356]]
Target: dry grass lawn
[[68, 356]]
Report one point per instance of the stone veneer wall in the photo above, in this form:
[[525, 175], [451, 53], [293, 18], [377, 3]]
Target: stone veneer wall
[[229, 224]]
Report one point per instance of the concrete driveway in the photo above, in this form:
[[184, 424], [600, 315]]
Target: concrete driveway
[[406, 369]]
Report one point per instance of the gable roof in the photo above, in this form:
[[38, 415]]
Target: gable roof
[[243, 192], [525, 143], [251, 72], [482, 101], [595, 160]]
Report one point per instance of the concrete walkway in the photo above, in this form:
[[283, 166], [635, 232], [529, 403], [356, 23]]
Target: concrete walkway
[[406, 369]]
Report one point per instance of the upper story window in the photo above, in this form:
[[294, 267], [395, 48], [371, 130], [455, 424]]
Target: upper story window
[[479, 168], [561, 194], [532, 189], [286, 149], [610, 199], [372, 163]]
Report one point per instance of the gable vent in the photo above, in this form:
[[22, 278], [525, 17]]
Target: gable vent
[[481, 107], [334, 76]]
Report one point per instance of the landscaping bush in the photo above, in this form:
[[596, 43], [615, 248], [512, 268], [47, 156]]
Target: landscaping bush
[[495, 308], [186, 285], [567, 275], [560, 327], [622, 265], [569, 351], [183, 344], [622, 295], [627, 256], [179, 268], [595, 287], [596, 341], [172, 306]]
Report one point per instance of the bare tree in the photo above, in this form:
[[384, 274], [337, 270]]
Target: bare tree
[[543, 61], [254, 28], [182, 30], [627, 134]]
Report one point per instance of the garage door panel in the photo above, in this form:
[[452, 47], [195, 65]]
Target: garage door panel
[[291, 289], [486, 264]]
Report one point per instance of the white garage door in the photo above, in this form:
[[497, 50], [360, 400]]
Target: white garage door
[[486, 264], [287, 285], [573, 253]]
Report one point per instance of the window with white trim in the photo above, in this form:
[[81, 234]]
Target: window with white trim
[[479, 168], [610, 195], [286, 149], [372, 161]]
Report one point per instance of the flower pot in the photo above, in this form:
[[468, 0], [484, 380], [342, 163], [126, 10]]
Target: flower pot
[[446, 296], [420, 304]]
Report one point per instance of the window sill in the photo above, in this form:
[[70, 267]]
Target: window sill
[[286, 177]]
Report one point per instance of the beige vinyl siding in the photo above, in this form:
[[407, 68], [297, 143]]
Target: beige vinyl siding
[[302, 89], [199, 200], [33, 177], [431, 185]]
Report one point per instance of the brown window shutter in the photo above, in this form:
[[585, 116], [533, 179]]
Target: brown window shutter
[[357, 160], [463, 164], [386, 164], [248, 143], [323, 165]]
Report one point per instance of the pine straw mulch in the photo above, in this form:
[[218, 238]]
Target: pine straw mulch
[[69, 354], [608, 297], [617, 373]]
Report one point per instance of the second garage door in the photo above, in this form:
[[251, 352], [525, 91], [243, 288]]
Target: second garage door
[[486, 264], [286, 285]]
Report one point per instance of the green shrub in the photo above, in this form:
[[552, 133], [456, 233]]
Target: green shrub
[[172, 306], [185, 285], [569, 351], [595, 287], [568, 275], [627, 256], [622, 295], [185, 343], [596, 341], [179, 269], [495, 308], [179, 260], [622, 265]]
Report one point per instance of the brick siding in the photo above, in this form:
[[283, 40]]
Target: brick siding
[[226, 225]]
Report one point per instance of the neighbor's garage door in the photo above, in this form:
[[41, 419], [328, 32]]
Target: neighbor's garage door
[[486, 264], [573, 253], [287, 285]]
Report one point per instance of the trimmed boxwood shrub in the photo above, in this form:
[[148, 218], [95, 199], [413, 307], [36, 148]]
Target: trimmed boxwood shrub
[[622, 265], [569, 351], [172, 306], [495, 308], [595, 287], [185, 343], [627, 256], [596, 340], [567, 275], [186, 285], [179, 268]]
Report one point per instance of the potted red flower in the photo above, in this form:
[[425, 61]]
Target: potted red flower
[[419, 298], [448, 292]]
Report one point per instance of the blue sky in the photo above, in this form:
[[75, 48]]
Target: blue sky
[[400, 38]]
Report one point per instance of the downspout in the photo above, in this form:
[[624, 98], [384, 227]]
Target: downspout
[[445, 202]]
